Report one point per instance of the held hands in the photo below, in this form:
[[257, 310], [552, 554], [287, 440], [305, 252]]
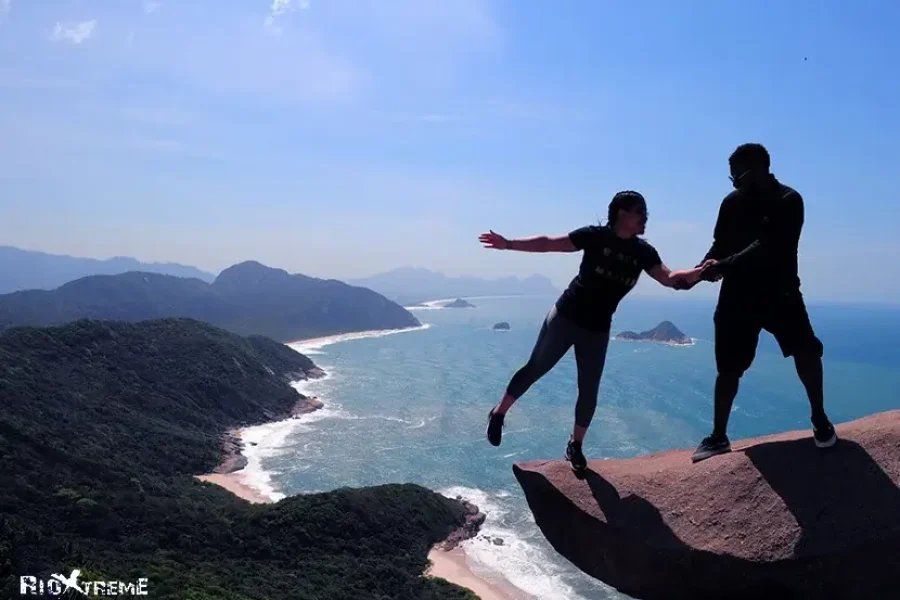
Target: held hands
[[494, 240], [685, 280], [709, 271]]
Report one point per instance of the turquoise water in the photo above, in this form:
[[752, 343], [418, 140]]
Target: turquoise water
[[411, 407]]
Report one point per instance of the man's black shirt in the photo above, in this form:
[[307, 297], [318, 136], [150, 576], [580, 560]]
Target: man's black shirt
[[756, 238]]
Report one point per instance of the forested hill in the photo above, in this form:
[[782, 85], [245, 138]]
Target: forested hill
[[102, 426]]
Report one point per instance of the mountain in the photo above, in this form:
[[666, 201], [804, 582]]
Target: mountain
[[32, 270], [102, 429], [248, 298], [665, 332], [413, 285]]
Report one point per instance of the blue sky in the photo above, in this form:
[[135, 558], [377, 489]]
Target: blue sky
[[345, 137]]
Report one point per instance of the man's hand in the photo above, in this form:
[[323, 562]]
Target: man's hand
[[494, 240], [709, 271]]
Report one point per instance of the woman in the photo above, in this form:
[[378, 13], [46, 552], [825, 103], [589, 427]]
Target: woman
[[610, 267]]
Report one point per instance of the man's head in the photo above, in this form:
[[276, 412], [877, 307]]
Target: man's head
[[628, 213], [749, 165]]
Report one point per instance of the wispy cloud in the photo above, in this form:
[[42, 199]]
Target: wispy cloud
[[75, 32], [5, 7], [282, 7], [152, 7]]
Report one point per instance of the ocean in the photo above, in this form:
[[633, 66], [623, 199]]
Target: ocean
[[412, 407]]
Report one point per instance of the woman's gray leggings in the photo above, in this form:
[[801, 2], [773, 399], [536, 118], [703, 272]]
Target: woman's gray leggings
[[557, 335]]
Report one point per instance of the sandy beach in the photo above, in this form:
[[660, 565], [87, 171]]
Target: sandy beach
[[234, 483], [452, 566]]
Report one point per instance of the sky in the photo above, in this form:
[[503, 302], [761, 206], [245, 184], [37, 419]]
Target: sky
[[341, 138]]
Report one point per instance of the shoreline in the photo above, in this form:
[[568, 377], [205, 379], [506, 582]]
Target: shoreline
[[453, 566], [315, 343], [450, 564]]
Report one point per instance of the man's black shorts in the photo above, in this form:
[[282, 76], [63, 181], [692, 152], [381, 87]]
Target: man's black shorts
[[739, 321]]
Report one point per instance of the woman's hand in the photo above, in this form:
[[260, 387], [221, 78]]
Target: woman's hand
[[494, 240]]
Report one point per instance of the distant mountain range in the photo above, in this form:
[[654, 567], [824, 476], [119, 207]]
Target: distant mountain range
[[247, 298], [409, 285], [32, 270]]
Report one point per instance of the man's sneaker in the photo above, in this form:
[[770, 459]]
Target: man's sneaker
[[494, 427], [710, 446], [824, 434], [575, 456]]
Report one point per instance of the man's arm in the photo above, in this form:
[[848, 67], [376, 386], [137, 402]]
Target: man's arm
[[717, 250], [777, 241]]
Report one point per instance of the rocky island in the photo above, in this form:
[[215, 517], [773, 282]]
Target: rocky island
[[459, 303], [665, 332], [501, 326]]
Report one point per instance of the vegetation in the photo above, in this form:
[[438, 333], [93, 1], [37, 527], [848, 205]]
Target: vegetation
[[248, 298], [103, 424]]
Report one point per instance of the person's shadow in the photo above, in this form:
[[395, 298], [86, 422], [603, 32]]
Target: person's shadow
[[840, 497], [632, 514]]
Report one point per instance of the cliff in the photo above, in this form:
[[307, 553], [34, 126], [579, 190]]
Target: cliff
[[776, 518], [665, 332], [248, 298]]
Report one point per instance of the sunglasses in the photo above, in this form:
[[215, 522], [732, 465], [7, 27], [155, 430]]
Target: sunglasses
[[737, 180]]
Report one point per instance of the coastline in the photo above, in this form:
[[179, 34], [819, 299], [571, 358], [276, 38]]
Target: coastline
[[453, 566], [320, 342], [447, 560]]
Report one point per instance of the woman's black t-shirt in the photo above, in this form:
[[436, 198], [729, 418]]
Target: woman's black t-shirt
[[610, 267]]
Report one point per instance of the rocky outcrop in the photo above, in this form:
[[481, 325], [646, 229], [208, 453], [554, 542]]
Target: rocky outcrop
[[232, 459], [501, 326], [666, 332], [459, 303], [306, 404], [469, 529], [775, 518]]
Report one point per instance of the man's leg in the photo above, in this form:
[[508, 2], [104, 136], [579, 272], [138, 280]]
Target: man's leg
[[726, 389], [553, 342], [810, 371], [790, 324], [737, 335]]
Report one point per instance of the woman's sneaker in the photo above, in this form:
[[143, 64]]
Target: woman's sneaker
[[575, 456], [711, 446], [824, 435], [494, 427]]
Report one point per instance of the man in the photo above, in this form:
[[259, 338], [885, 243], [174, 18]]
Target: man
[[754, 253]]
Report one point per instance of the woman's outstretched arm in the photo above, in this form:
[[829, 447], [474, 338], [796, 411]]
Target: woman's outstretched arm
[[540, 243]]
